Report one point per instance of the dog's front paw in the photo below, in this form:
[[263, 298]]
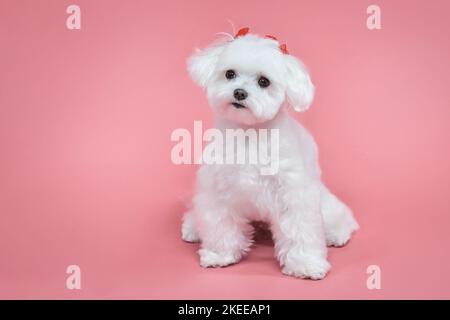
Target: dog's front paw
[[307, 268], [210, 258]]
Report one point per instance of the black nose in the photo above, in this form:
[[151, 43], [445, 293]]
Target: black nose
[[240, 94]]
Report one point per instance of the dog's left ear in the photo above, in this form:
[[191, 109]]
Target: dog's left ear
[[202, 63], [299, 88]]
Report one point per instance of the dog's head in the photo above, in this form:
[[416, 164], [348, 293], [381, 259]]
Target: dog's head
[[249, 78]]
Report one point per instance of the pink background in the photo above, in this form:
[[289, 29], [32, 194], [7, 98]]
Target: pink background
[[85, 123]]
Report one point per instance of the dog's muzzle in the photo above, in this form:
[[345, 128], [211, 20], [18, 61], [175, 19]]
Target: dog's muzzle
[[240, 94], [237, 105]]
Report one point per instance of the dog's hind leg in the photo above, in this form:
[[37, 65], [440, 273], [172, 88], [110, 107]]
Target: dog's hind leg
[[189, 231], [338, 219]]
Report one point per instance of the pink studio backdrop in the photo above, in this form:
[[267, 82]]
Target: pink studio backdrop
[[85, 124]]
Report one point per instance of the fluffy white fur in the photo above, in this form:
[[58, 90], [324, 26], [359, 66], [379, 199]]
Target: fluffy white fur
[[304, 216]]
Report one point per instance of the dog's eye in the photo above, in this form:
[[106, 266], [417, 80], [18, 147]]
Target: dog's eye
[[230, 74], [263, 82]]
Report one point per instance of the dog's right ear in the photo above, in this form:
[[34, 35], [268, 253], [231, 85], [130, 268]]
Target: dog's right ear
[[300, 89], [202, 63]]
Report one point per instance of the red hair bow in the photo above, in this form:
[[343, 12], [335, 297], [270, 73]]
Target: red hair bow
[[243, 31], [283, 47]]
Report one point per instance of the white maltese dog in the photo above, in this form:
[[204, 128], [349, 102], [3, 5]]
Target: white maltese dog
[[249, 80]]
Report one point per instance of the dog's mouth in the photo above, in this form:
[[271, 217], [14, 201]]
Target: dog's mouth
[[238, 105]]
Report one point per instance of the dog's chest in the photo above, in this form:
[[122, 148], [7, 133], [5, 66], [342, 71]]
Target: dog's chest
[[246, 184]]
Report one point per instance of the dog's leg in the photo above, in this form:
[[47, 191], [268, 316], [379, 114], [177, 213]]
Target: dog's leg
[[225, 236], [299, 236], [339, 223], [189, 231]]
